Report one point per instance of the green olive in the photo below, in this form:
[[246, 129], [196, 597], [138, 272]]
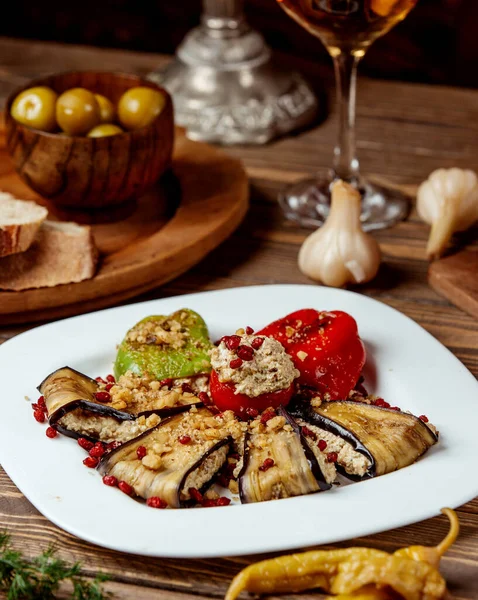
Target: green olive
[[139, 106], [77, 111], [107, 109], [35, 107], [104, 130]]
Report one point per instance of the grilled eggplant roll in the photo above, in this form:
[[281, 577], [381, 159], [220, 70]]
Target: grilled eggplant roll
[[369, 440], [74, 409], [176, 456], [278, 462]]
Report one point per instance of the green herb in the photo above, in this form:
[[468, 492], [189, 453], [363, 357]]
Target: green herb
[[40, 578]]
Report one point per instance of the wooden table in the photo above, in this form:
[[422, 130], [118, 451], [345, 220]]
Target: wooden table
[[404, 132]]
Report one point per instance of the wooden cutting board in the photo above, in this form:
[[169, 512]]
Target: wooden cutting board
[[456, 278], [174, 226]]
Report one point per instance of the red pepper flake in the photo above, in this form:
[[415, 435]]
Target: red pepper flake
[[39, 415], [51, 433], [267, 415], [91, 462], [232, 342], [249, 330], [125, 488], [252, 412], [322, 445], [332, 457], [257, 342], [100, 380], [110, 379], [85, 444], [267, 464], [141, 452], [223, 501], [184, 439], [109, 386], [245, 353], [156, 502], [167, 382], [103, 396], [41, 402], [423, 418], [110, 480], [97, 451], [309, 433], [196, 495], [204, 397], [235, 363]]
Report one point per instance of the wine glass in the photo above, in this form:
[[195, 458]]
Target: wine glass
[[347, 28]]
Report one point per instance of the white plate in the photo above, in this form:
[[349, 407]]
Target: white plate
[[405, 364]]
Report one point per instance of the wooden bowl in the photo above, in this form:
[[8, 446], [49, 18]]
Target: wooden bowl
[[91, 173]]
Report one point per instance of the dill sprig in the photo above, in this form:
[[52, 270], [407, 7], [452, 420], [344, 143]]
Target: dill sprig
[[40, 578]]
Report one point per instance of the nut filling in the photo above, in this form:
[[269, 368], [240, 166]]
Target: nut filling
[[269, 370]]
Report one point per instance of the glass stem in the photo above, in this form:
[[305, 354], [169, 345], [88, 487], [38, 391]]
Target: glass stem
[[346, 165]]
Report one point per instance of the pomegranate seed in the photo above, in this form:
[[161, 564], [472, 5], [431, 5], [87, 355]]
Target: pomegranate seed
[[97, 451], [125, 488], [267, 464], [267, 415], [141, 452], [168, 382], [90, 462], [110, 379], [184, 439], [41, 402], [224, 480], [39, 416], [245, 352], [100, 380], [309, 433], [85, 444], [113, 445], [36, 407], [208, 502], [395, 408], [103, 396], [379, 402], [110, 480], [235, 363], [186, 388], [51, 433], [257, 343], [386, 405], [322, 445], [223, 501], [156, 502], [196, 495], [423, 418], [252, 412], [204, 398], [109, 386], [332, 457], [232, 342], [235, 455], [249, 330]]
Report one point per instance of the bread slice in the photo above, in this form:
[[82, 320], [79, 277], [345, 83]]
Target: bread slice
[[20, 221], [61, 253]]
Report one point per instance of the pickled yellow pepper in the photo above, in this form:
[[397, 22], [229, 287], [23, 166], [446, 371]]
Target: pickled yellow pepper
[[353, 573]]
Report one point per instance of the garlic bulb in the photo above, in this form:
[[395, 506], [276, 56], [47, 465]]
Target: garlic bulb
[[448, 201], [340, 252]]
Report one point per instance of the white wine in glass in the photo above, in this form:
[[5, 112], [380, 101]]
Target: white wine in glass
[[346, 28]]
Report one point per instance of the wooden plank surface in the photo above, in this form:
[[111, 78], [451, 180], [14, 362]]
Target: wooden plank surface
[[404, 132]]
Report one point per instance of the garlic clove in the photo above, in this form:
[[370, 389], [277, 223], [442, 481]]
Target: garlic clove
[[448, 201], [340, 252]]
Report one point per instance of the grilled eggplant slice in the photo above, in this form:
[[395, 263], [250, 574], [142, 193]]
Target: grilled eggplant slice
[[74, 411], [294, 471], [388, 439], [179, 456]]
